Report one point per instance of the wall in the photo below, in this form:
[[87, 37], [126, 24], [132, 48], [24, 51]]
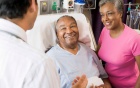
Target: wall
[[49, 4], [137, 1], [86, 12]]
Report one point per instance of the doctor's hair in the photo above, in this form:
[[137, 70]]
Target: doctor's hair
[[14, 8], [67, 16], [118, 4]]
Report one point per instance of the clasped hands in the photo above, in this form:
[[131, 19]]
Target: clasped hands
[[81, 82]]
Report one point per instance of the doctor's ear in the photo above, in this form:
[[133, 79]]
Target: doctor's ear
[[33, 7]]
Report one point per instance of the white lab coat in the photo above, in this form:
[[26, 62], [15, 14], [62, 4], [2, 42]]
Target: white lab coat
[[21, 66]]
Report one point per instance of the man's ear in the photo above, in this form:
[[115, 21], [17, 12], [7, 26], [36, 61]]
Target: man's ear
[[33, 7]]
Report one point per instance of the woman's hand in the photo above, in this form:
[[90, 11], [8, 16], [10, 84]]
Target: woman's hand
[[101, 86], [106, 83]]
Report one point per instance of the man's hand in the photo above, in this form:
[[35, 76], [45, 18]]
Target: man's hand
[[80, 82]]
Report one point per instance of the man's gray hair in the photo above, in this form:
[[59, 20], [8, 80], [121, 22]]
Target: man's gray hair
[[118, 4], [63, 17]]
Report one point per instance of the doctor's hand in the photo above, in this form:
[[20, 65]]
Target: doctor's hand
[[80, 82]]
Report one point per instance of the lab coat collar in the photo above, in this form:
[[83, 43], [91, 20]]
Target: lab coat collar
[[13, 29]]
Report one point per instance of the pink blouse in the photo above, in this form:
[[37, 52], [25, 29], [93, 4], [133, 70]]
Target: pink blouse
[[119, 53]]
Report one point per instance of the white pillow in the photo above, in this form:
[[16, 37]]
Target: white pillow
[[43, 35]]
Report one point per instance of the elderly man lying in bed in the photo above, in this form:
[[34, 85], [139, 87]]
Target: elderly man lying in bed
[[73, 58]]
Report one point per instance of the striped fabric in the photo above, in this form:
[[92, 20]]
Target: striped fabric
[[21, 66]]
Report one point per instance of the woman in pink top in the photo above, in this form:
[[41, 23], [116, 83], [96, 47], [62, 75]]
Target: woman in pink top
[[119, 46]]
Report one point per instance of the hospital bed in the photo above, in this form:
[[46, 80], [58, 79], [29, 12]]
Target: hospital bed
[[43, 36]]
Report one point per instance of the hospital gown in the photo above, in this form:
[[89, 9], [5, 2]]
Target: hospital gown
[[69, 65]]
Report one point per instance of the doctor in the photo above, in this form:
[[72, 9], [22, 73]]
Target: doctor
[[21, 66]]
